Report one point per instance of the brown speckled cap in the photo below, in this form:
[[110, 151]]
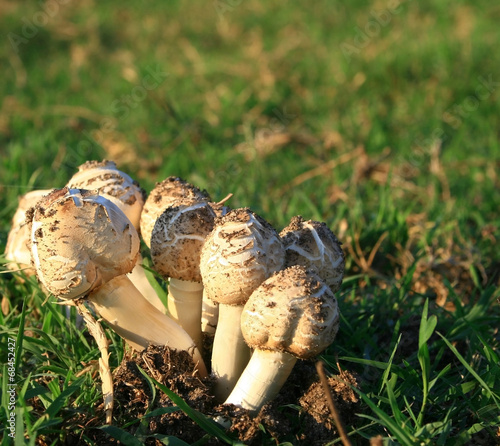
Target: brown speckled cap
[[79, 241], [177, 239], [239, 254], [313, 245], [173, 191], [112, 183], [292, 311]]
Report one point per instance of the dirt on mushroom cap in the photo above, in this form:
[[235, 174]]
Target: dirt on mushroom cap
[[76, 238], [177, 239], [240, 253], [292, 311], [117, 186], [105, 176], [312, 244], [172, 191]]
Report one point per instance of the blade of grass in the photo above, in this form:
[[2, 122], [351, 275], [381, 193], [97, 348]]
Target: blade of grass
[[389, 365], [20, 336], [403, 437], [169, 440], [427, 327], [396, 411], [122, 436], [483, 384]]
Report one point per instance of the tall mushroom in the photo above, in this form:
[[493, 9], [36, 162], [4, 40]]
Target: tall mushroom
[[83, 246], [176, 242], [291, 315], [240, 253], [312, 244], [119, 188]]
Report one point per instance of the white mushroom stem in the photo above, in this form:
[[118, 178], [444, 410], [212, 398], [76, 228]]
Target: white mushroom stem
[[209, 315], [230, 353], [262, 379], [184, 306], [132, 317], [95, 329], [140, 280]]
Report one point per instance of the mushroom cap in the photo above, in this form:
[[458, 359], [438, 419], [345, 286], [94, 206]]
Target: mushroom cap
[[79, 241], [17, 247], [172, 191], [293, 311], [313, 245], [112, 183], [240, 253], [177, 239]]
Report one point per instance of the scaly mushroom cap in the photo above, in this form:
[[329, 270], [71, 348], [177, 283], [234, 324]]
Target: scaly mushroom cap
[[112, 183], [240, 253], [172, 191], [177, 239], [313, 245], [293, 311], [17, 247], [77, 237]]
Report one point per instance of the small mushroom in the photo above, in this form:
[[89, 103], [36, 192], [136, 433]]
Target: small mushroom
[[176, 242], [119, 188], [83, 246], [169, 192], [291, 315], [240, 253], [17, 250], [312, 244]]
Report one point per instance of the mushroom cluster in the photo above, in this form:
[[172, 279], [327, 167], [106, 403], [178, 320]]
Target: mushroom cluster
[[265, 297]]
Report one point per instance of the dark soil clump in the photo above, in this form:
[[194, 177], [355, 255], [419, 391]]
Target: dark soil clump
[[299, 413]]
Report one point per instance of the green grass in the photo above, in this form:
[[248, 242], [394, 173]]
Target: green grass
[[396, 147]]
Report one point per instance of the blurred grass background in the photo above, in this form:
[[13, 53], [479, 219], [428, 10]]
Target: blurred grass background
[[339, 111], [381, 118]]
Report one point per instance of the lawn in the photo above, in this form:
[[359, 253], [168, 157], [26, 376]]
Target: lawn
[[380, 119]]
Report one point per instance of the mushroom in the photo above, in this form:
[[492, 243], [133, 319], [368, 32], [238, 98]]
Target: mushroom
[[239, 254], [313, 245], [17, 251], [169, 192], [176, 242], [83, 246], [291, 315], [124, 192]]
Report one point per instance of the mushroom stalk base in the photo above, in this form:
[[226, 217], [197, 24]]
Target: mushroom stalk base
[[132, 317], [98, 334], [184, 306], [209, 315], [262, 379], [230, 353], [140, 280]]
